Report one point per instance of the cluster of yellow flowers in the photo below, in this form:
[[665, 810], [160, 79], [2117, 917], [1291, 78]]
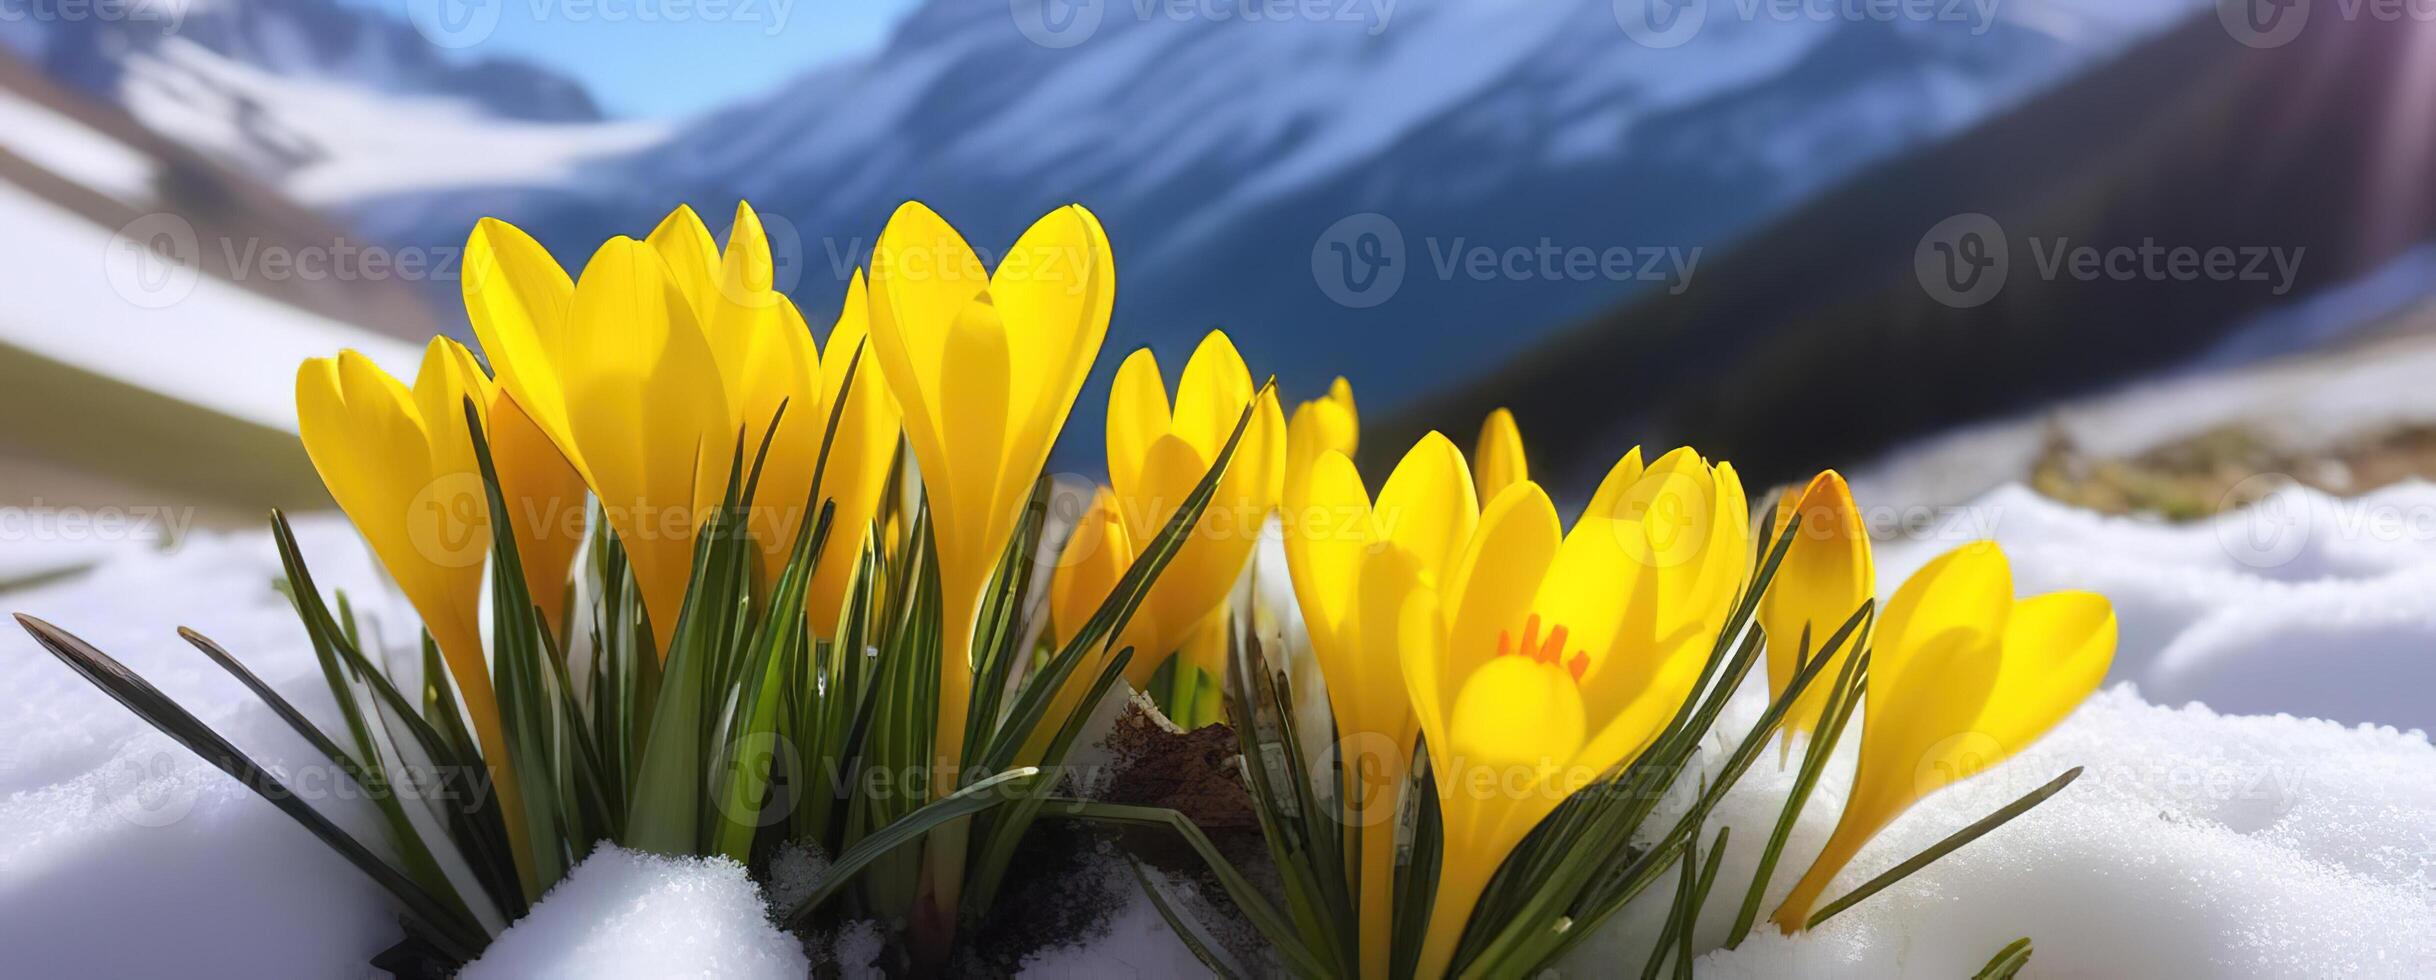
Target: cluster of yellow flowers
[[1453, 610]]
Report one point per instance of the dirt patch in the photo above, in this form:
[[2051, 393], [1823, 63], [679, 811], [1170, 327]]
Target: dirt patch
[[2225, 469], [1193, 773], [1061, 887]]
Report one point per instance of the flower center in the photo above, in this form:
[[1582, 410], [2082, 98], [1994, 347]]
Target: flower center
[[1549, 650]]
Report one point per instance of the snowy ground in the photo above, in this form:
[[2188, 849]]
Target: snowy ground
[[2198, 843]]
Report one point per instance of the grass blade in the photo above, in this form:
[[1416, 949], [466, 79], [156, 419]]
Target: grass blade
[[1200, 946], [1949, 845], [2007, 961], [962, 803], [1273, 926]]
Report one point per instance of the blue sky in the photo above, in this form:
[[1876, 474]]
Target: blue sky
[[663, 58]]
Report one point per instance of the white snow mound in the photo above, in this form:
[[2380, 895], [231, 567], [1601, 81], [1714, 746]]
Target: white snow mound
[[2194, 844], [623, 915], [2305, 604]]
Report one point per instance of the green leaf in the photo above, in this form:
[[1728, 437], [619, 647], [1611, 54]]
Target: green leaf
[[2007, 961], [418, 857], [959, 805]]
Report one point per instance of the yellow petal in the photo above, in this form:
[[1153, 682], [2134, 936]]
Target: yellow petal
[[1328, 530], [1498, 576], [1934, 667], [2057, 648], [1055, 290], [1957, 602], [545, 498], [744, 265], [1211, 394], [1619, 479], [649, 414], [684, 242], [1095, 556], [1198, 576], [973, 427], [1516, 712], [780, 380], [1824, 578], [865, 445], [517, 297], [1499, 462], [1428, 507], [922, 276], [1321, 425], [1137, 416], [367, 439]]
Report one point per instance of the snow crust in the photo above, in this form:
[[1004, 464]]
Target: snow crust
[[2307, 604], [2194, 844], [105, 823], [622, 915]]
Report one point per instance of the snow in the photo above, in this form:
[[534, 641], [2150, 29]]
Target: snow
[[113, 308], [105, 822], [2198, 842], [1136, 940], [336, 143], [67, 147], [2195, 844], [2315, 605], [622, 915]]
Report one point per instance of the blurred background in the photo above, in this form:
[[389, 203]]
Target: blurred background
[[2132, 253]]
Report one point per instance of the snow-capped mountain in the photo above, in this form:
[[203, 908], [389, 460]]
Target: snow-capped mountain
[[1402, 189], [330, 103], [298, 40], [1231, 159]]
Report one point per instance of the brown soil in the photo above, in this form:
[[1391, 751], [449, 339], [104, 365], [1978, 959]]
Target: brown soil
[[2225, 469]]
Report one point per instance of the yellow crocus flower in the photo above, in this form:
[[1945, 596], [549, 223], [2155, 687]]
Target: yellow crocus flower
[[1157, 453], [1095, 556], [1353, 562], [1825, 576], [400, 462], [1962, 675], [857, 477], [617, 370], [1549, 658], [1329, 422], [985, 368], [767, 362], [1499, 462]]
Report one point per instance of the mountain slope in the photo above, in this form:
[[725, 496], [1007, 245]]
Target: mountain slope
[[1815, 342], [331, 103]]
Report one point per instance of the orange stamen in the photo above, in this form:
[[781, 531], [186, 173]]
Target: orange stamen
[[1550, 651]]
